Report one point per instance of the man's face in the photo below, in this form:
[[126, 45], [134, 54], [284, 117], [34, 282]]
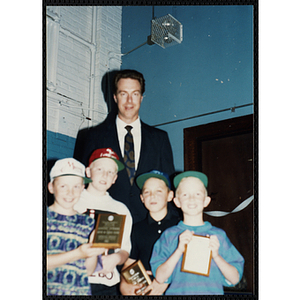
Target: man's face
[[103, 172], [128, 98]]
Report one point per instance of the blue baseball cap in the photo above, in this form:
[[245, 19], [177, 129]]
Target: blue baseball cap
[[156, 174], [196, 174]]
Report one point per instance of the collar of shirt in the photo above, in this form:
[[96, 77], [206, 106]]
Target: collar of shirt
[[166, 218], [137, 136]]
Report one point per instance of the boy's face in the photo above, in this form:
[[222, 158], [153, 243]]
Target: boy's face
[[155, 195], [103, 172], [191, 196], [67, 191]]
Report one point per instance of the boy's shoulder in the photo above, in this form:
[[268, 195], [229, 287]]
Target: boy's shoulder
[[104, 203], [118, 204], [141, 224], [206, 228], [78, 218], [216, 230], [173, 230]]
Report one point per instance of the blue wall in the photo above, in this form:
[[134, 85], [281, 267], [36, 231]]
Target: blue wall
[[211, 70], [185, 80], [59, 145]]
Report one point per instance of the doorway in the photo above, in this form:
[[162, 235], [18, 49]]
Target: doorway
[[224, 151]]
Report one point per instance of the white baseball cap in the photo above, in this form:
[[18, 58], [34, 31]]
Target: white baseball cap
[[68, 166]]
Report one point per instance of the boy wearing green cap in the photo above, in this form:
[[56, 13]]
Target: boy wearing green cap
[[227, 263], [156, 194]]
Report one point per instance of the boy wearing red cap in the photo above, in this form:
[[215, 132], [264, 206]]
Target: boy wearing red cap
[[227, 263], [103, 170], [70, 259]]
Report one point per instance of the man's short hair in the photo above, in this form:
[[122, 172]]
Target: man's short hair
[[132, 74]]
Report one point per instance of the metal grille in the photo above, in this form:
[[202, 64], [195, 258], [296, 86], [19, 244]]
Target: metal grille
[[166, 31]]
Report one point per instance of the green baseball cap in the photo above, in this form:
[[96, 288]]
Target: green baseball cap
[[196, 174]]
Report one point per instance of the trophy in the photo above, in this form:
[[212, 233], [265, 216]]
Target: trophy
[[136, 274]]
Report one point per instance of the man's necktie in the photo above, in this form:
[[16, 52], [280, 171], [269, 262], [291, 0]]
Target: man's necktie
[[129, 154]]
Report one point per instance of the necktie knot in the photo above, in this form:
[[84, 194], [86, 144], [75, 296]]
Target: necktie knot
[[128, 128]]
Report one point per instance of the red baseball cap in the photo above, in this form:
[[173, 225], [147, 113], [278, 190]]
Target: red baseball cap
[[106, 153]]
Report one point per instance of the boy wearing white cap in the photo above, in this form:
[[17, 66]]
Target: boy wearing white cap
[[103, 170], [70, 259], [227, 263]]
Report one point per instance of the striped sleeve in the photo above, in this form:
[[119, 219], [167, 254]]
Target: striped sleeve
[[162, 250], [232, 256]]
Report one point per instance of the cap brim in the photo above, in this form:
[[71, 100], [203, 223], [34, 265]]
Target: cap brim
[[196, 174], [85, 179], [120, 165], [142, 178]]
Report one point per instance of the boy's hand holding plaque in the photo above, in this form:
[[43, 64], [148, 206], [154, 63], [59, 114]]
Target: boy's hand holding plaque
[[109, 231], [137, 274], [197, 256]]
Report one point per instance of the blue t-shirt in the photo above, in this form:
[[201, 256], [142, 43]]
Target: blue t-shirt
[[66, 233], [182, 283]]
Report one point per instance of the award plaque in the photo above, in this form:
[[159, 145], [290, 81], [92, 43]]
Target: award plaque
[[197, 256], [109, 231], [136, 274]]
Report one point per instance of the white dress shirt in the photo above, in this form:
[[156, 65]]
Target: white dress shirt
[[136, 133]]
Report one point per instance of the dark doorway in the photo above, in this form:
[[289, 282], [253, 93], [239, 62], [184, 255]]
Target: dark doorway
[[224, 152]]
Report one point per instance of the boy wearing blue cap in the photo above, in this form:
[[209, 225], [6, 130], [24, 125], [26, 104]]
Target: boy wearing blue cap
[[156, 194], [70, 259], [227, 263]]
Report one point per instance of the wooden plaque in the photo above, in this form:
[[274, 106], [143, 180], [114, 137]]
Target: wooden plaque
[[197, 256], [136, 274], [109, 231]]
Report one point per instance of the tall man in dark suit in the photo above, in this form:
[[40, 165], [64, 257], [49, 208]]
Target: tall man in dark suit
[[152, 148]]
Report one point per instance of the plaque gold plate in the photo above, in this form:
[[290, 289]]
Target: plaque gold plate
[[109, 231]]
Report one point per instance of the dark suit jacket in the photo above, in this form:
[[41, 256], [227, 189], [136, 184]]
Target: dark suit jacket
[[156, 153]]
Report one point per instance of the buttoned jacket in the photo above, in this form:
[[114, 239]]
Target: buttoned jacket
[[156, 154]]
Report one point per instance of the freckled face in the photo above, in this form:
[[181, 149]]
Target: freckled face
[[128, 98]]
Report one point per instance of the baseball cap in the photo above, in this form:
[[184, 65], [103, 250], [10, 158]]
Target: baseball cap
[[196, 174], [68, 166], [154, 173], [106, 153]]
